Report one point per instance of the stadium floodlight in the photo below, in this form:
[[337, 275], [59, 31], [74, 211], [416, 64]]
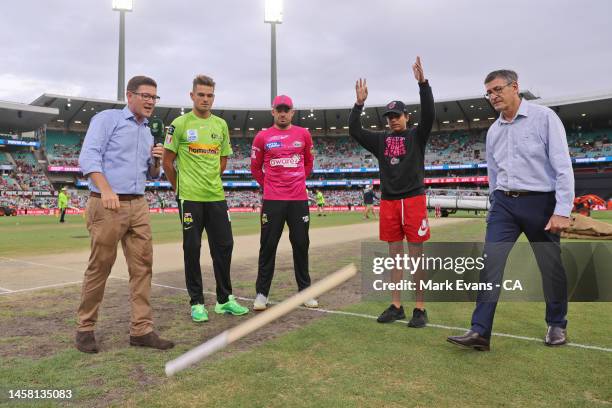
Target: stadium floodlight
[[273, 15], [273, 11], [123, 5]]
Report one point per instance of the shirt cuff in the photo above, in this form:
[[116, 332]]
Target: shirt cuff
[[86, 170], [564, 210]]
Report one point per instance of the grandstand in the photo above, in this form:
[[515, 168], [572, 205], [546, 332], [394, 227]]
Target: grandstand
[[63, 148], [40, 156]]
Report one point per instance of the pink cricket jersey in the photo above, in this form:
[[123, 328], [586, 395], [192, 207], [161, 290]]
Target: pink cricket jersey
[[280, 162]]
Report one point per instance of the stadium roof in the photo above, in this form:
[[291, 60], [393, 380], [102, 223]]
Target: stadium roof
[[451, 113], [582, 107], [20, 117]]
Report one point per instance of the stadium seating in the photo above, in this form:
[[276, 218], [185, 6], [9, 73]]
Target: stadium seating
[[29, 174], [4, 158], [590, 144], [344, 152], [63, 148], [7, 182], [330, 152]]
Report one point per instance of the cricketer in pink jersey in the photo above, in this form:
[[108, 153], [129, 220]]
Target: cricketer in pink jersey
[[281, 160]]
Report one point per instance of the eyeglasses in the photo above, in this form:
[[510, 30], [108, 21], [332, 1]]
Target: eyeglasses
[[497, 90], [147, 97]]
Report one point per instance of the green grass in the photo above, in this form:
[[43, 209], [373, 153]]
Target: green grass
[[18, 235], [349, 361]]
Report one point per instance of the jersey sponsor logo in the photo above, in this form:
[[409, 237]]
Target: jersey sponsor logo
[[187, 221], [423, 228], [394, 161], [215, 136], [273, 145], [297, 144], [395, 146], [203, 149], [292, 161], [278, 137], [192, 135]]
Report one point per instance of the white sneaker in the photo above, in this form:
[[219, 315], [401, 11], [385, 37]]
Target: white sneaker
[[260, 303], [311, 303]]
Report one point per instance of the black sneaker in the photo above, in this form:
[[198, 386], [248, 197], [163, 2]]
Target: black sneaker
[[391, 314], [419, 318]]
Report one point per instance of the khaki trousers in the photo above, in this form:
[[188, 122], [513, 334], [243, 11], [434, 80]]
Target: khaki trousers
[[130, 225]]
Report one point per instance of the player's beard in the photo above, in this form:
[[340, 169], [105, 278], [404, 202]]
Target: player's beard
[[283, 126]]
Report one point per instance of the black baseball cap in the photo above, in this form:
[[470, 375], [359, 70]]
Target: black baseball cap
[[395, 107]]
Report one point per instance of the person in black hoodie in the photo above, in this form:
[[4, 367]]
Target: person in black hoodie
[[403, 207]]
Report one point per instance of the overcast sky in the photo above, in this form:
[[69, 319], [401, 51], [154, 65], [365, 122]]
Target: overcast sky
[[70, 47]]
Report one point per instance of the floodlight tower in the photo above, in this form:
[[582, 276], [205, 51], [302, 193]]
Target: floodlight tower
[[122, 6], [273, 15]]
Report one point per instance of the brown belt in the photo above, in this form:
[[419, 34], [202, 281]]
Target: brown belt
[[515, 194], [122, 197]]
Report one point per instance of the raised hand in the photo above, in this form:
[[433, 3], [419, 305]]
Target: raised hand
[[361, 89], [417, 68]]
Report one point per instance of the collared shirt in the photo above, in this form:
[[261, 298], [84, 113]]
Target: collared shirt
[[119, 147], [530, 153]]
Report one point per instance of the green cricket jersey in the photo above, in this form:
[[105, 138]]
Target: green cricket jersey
[[320, 199], [199, 144]]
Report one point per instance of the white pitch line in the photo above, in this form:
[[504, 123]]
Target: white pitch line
[[6, 290], [437, 326], [39, 264], [41, 287]]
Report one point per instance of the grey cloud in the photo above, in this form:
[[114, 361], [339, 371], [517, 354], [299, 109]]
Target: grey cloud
[[559, 47]]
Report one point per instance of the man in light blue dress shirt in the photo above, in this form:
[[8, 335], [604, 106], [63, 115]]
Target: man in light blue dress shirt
[[531, 185], [118, 155]]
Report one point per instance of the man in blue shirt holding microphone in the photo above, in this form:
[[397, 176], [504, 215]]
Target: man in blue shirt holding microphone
[[118, 155]]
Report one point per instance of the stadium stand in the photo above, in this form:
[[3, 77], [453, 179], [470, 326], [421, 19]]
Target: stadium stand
[[29, 174], [590, 144], [63, 148], [5, 159], [458, 138], [343, 152]]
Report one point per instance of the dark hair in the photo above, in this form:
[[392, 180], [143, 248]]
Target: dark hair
[[203, 80], [134, 83], [507, 74]]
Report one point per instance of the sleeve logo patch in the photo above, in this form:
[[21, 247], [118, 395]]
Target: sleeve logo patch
[[273, 145]]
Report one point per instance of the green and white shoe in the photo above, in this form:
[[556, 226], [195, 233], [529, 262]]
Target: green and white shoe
[[231, 307], [199, 313]]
